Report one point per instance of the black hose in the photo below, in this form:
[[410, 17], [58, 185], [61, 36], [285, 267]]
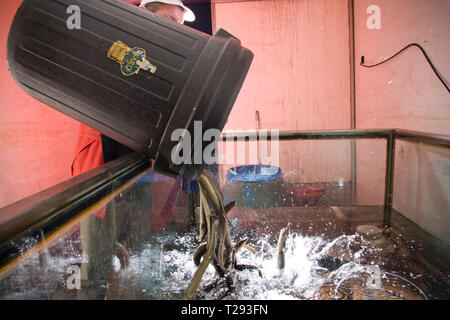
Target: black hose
[[405, 48]]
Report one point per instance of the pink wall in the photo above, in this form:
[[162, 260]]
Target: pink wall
[[299, 79], [405, 93], [36, 142], [301, 67]]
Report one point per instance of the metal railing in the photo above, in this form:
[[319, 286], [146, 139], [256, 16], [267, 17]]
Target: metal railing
[[30, 224], [390, 135]]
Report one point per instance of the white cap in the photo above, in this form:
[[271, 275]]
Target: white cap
[[188, 14]]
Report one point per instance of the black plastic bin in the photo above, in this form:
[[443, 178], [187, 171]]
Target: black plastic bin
[[90, 73]]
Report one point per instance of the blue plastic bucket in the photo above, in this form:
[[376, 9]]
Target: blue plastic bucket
[[254, 186], [254, 173]]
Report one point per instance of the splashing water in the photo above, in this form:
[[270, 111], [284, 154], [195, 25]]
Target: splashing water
[[302, 278], [314, 269]]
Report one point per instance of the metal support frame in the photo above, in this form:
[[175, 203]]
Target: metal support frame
[[389, 184], [391, 135], [352, 59]]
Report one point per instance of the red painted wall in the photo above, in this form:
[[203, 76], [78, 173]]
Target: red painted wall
[[36, 142], [405, 93], [299, 78]]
